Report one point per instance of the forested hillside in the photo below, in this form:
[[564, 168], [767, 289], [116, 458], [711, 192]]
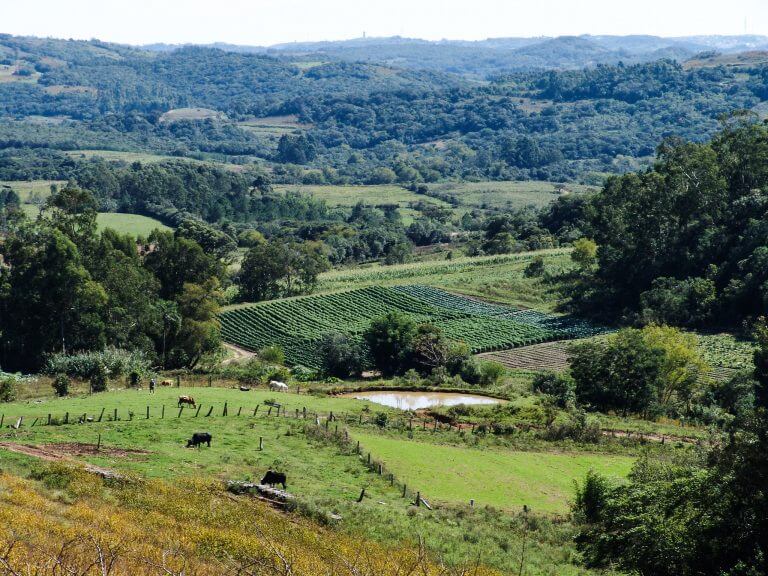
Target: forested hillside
[[331, 120]]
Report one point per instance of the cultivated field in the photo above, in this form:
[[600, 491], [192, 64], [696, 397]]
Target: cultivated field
[[547, 356], [298, 324], [495, 278]]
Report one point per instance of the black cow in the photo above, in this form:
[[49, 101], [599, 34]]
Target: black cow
[[271, 478], [199, 438]]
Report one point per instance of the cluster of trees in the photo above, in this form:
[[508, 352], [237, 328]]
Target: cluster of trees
[[395, 344], [685, 242], [64, 288], [689, 517]]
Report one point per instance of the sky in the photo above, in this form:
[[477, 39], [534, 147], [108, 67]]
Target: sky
[[266, 22]]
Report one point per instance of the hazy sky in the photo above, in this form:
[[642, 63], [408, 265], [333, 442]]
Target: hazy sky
[[263, 22]]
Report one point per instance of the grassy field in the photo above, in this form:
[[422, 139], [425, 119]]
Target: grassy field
[[348, 196], [133, 224], [25, 189], [120, 156], [497, 278], [325, 477], [505, 195], [543, 481]]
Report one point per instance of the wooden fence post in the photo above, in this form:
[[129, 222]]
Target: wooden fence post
[[66, 418], [178, 381], [304, 410], [255, 410], [358, 447], [34, 422], [98, 444], [381, 469], [210, 383], [49, 421], [369, 458], [210, 411], [2, 419], [362, 495], [239, 410], [269, 412], [162, 412], [261, 443], [224, 413], [147, 412], [115, 415], [199, 406], [181, 409], [418, 498], [404, 489], [297, 413]]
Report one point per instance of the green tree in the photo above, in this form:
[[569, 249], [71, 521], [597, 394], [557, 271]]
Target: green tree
[[389, 339], [584, 253]]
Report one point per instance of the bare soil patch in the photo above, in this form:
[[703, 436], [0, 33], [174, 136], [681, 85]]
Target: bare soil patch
[[67, 450]]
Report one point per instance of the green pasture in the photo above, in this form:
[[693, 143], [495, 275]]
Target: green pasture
[[542, 480], [506, 194], [133, 224], [373, 195]]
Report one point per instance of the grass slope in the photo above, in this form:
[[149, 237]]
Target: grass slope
[[505, 479]]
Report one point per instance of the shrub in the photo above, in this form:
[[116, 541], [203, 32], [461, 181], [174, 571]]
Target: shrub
[[8, 387], [381, 419], [117, 362], [535, 268], [303, 374], [470, 371], [99, 378], [491, 373], [61, 385], [272, 355], [560, 386]]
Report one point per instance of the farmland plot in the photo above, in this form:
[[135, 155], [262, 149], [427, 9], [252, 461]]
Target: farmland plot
[[297, 324]]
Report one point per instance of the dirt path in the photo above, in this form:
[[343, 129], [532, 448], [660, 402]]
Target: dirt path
[[67, 451], [238, 354]]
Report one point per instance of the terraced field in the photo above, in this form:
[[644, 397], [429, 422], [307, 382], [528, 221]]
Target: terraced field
[[298, 324]]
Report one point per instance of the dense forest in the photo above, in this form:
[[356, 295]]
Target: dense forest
[[356, 122]]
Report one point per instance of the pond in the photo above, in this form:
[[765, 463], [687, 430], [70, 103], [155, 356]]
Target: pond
[[418, 400]]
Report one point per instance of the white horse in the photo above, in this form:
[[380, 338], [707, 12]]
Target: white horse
[[278, 386]]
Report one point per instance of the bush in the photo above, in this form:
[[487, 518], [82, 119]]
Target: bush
[[99, 378], [470, 371], [272, 355], [560, 386], [535, 268], [8, 387], [381, 419], [491, 373], [303, 374], [117, 362], [61, 385]]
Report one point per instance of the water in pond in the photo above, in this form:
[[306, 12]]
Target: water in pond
[[419, 400]]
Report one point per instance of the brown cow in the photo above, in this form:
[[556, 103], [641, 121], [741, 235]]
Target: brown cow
[[166, 383], [187, 400]]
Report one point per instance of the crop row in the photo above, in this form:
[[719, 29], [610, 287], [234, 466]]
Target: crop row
[[298, 324]]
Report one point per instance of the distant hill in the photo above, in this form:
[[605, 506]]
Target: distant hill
[[486, 58]]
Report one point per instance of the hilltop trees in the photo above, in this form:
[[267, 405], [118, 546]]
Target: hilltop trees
[[66, 288], [686, 242]]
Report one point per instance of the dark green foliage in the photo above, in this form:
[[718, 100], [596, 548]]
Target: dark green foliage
[[8, 387], [61, 385], [621, 373], [99, 378], [560, 386], [274, 269], [340, 356], [389, 339], [686, 242]]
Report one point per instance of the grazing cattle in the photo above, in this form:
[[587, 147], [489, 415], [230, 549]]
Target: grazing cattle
[[199, 438], [166, 383], [278, 386], [187, 400], [272, 478]]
